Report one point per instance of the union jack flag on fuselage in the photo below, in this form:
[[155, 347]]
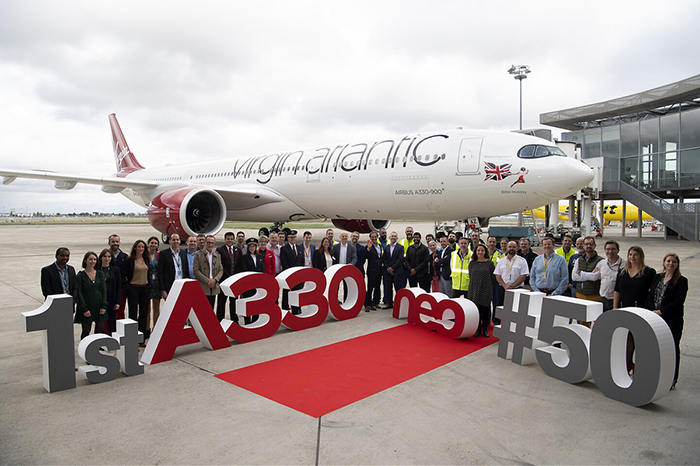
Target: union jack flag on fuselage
[[497, 172]]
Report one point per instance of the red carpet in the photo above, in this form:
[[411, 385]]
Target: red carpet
[[319, 381]]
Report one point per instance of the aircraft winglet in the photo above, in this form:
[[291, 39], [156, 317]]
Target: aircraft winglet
[[125, 159]]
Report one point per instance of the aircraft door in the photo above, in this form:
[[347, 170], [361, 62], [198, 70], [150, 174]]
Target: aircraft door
[[313, 170], [469, 156]]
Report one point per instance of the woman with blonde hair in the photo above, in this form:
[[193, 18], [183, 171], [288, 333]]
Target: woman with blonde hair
[[634, 281], [667, 296], [632, 290]]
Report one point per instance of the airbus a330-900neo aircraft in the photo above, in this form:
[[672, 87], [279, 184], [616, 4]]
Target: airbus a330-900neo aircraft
[[359, 186]]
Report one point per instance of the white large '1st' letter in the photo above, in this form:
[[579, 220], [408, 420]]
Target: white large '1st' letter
[[55, 318]]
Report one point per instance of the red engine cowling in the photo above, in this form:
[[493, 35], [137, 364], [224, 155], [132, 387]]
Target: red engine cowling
[[361, 226], [188, 212]]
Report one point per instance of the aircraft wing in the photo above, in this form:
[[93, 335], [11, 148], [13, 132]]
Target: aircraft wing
[[242, 197], [68, 181]]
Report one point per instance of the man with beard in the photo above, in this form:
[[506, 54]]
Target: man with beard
[[360, 251], [452, 240], [119, 258], [511, 271], [586, 273], [417, 257], [529, 256]]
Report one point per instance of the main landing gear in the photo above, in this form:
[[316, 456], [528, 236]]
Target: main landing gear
[[276, 226]]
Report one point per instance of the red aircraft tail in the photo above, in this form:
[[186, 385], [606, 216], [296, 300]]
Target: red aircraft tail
[[125, 159]]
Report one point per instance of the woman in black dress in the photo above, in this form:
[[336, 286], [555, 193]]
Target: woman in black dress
[[633, 281], [433, 269], [153, 244], [252, 261], [667, 296], [481, 287], [632, 290], [92, 297], [113, 278]]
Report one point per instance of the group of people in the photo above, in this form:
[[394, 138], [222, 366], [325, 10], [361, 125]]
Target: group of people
[[458, 266], [614, 281]]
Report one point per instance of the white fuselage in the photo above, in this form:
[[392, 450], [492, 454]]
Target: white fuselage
[[427, 176]]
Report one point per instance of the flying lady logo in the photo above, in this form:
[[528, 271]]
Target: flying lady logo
[[521, 179]]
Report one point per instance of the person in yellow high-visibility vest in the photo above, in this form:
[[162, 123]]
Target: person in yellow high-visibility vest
[[459, 266]]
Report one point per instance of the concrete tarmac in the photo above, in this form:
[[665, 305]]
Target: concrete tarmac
[[479, 409]]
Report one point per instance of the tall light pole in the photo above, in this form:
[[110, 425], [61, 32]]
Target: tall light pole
[[520, 72]]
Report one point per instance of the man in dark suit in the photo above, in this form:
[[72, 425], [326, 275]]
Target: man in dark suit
[[374, 272], [345, 253], [172, 265], [59, 277], [308, 249], [417, 257], [393, 273], [443, 266], [119, 258], [360, 251], [291, 256], [231, 262]]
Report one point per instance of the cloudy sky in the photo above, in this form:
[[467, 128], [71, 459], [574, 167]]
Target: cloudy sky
[[211, 79]]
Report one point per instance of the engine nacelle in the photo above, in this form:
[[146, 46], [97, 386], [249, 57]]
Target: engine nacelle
[[361, 226], [188, 212]]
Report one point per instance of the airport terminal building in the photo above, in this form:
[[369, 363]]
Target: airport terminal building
[[646, 149]]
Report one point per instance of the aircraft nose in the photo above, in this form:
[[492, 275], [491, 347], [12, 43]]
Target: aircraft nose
[[578, 174]]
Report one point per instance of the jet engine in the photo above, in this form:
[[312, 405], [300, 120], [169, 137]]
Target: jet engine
[[361, 226], [188, 211]]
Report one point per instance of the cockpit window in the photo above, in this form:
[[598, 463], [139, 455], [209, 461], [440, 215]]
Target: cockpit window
[[536, 151], [527, 152]]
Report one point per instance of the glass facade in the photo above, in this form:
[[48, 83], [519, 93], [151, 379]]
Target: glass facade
[[655, 153]]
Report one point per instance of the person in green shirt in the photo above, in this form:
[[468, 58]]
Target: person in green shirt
[[92, 297]]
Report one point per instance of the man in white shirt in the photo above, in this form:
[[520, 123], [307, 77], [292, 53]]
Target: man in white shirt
[[345, 253], [608, 273], [511, 271]]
